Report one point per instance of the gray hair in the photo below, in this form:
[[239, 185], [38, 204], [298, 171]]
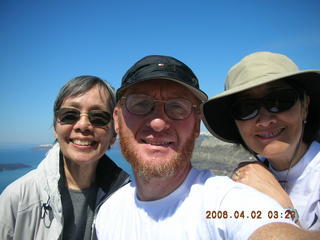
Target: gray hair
[[80, 85]]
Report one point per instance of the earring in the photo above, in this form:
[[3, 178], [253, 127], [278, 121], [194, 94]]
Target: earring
[[304, 121]]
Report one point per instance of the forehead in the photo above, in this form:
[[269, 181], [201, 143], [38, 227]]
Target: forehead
[[264, 89], [94, 96], [166, 88]]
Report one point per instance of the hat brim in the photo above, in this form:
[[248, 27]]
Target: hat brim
[[198, 93], [216, 111]]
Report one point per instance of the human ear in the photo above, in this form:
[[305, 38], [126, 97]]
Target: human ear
[[196, 129], [116, 118]]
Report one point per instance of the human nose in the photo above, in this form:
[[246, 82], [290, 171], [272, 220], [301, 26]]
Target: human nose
[[159, 119], [83, 123], [265, 118]]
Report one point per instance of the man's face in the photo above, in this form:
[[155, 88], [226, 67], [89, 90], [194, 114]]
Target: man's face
[[155, 144]]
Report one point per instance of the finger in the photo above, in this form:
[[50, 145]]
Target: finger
[[236, 175]]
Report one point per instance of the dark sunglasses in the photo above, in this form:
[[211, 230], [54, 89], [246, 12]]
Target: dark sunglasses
[[176, 108], [275, 102], [97, 118]]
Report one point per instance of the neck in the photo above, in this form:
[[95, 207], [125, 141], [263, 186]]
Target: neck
[[287, 162], [154, 188], [79, 176]]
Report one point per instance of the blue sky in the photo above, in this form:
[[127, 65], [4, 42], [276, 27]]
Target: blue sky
[[43, 44]]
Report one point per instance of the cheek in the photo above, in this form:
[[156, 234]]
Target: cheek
[[131, 121], [188, 129], [62, 131], [293, 118], [294, 124], [105, 135]]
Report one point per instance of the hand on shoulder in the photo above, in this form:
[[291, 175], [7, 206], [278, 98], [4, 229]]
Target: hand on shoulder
[[256, 175]]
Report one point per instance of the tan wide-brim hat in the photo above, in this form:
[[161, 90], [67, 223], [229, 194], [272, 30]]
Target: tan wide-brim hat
[[254, 70]]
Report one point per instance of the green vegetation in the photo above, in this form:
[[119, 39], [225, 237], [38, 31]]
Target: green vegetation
[[218, 156]]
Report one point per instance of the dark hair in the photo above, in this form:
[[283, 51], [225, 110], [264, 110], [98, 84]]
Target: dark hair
[[80, 85]]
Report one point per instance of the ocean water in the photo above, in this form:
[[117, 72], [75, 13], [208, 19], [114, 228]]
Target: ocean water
[[26, 155]]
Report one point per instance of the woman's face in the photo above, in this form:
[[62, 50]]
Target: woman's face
[[82, 142], [272, 135]]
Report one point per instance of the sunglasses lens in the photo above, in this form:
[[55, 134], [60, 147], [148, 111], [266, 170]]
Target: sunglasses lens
[[68, 115], [139, 104], [71, 116], [245, 109], [281, 101], [178, 109], [275, 102], [99, 118]]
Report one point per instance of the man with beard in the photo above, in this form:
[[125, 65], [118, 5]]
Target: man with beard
[[158, 119]]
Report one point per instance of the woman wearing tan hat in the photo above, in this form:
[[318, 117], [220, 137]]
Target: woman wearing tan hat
[[272, 109]]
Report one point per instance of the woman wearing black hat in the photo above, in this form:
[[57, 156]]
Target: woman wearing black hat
[[272, 109]]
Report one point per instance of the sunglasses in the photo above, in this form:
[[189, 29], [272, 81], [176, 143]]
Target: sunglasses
[[97, 118], [275, 102], [176, 108]]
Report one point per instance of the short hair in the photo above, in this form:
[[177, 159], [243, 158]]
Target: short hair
[[80, 85]]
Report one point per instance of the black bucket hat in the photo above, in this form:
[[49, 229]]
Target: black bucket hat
[[161, 67], [254, 70]]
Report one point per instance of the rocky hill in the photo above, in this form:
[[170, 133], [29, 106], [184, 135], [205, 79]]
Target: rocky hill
[[220, 157]]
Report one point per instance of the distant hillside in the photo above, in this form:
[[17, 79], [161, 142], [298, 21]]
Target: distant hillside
[[214, 154], [12, 166], [220, 157], [43, 147]]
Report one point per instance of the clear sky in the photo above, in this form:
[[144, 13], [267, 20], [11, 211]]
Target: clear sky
[[43, 44]]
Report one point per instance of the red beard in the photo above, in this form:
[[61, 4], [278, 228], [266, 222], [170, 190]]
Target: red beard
[[149, 169]]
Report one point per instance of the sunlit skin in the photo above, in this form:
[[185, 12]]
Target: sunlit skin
[[275, 136], [159, 148], [81, 158]]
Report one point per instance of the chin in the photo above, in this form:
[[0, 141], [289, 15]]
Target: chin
[[84, 158]]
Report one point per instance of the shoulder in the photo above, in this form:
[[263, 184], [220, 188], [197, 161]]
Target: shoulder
[[211, 183], [32, 187], [21, 185], [225, 192], [22, 192], [212, 190], [19, 198], [241, 197], [311, 160]]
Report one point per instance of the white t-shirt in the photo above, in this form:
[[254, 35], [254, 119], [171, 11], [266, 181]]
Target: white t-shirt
[[203, 207], [303, 187]]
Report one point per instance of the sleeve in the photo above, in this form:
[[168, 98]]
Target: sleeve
[[247, 210]]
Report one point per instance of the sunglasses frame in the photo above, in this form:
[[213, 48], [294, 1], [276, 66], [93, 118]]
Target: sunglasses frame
[[261, 102], [193, 106], [79, 114]]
